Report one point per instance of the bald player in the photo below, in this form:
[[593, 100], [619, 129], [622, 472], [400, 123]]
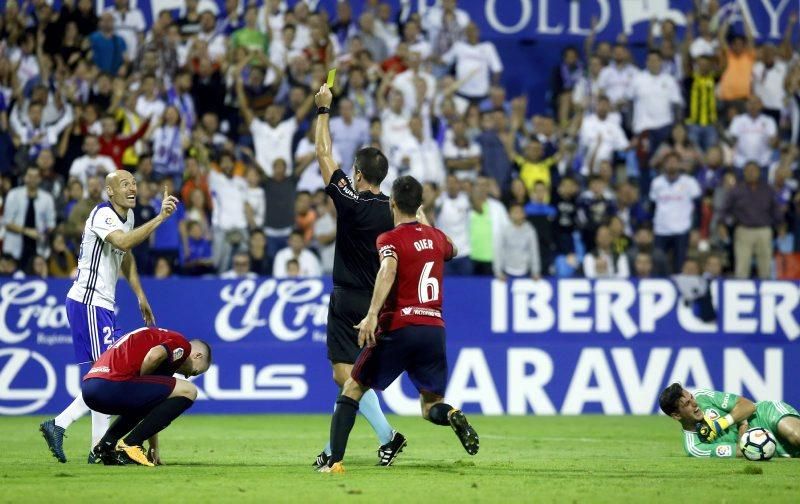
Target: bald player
[[108, 236]]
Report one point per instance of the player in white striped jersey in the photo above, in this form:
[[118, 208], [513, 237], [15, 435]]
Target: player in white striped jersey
[[107, 238]]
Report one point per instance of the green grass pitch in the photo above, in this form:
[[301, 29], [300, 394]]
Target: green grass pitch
[[268, 459]]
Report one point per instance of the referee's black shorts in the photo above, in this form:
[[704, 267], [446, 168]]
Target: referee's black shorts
[[347, 308]]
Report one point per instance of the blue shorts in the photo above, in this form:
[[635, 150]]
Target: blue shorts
[[137, 395], [417, 350], [92, 330]]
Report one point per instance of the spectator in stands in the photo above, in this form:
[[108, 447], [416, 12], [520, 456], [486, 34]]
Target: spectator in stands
[[462, 156], [566, 77], [754, 135], [281, 192], [740, 56], [642, 265], [713, 267], [655, 97], [114, 145], [259, 262], [62, 262], [700, 90], [595, 206], [679, 144], [142, 213], [615, 80], [228, 218], [769, 77], [488, 220], [52, 182], [674, 195], [108, 49], [309, 264], [9, 267], [453, 218], [163, 268], [601, 261], [445, 24], [477, 65], [518, 254], [304, 216], [565, 224], [752, 208], [325, 231], [92, 163], [541, 215], [420, 156], [29, 216], [129, 25], [197, 257], [600, 136], [31, 134], [170, 141], [255, 202], [494, 158], [240, 269], [272, 136], [349, 133]]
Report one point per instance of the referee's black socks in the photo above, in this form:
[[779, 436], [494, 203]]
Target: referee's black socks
[[341, 424], [158, 419], [438, 413]]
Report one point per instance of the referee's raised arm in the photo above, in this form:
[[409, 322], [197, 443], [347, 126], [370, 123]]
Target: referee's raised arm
[[322, 136]]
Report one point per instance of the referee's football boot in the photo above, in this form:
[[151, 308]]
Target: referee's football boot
[[54, 437], [321, 460], [388, 452], [466, 434]]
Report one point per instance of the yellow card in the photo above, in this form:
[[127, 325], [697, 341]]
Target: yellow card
[[331, 77]]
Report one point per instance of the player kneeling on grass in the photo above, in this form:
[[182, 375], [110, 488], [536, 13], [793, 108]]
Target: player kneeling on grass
[[410, 335], [713, 421], [133, 379]]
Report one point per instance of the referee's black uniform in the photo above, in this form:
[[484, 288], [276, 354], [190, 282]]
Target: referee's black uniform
[[361, 217]]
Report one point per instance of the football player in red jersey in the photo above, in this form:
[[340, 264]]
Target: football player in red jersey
[[404, 329], [133, 379]]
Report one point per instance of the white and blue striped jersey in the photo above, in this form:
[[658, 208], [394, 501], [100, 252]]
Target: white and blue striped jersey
[[99, 262]]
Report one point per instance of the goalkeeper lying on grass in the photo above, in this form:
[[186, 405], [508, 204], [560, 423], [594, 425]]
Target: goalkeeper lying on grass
[[713, 421]]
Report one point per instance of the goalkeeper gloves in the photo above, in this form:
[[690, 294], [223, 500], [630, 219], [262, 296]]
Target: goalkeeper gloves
[[710, 429]]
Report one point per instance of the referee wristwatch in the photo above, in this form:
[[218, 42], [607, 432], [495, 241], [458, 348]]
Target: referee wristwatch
[[323, 110]]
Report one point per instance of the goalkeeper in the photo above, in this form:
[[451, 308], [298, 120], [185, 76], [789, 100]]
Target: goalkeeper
[[713, 421]]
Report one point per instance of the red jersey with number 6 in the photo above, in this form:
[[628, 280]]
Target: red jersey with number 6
[[416, 297]]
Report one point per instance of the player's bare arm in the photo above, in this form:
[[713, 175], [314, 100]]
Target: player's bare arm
[[383, 285], [153, 360], [126, 241], [322, 136], [131, 274]]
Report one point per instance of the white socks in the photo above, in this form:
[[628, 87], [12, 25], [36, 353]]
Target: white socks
[[73, 412], [100, 423], [78, 408]]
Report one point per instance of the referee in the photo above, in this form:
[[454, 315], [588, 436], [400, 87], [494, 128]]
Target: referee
[[363, 213]]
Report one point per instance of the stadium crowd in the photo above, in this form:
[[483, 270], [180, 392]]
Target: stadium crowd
[[684, 163]]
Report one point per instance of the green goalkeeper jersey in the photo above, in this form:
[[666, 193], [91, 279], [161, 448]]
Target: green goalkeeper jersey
[[716, 404]]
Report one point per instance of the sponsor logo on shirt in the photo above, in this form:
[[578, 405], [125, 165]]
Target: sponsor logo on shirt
[[724, 451], [100, 369], [177, 354], [109, 221], [421, 312], [725, 400]]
